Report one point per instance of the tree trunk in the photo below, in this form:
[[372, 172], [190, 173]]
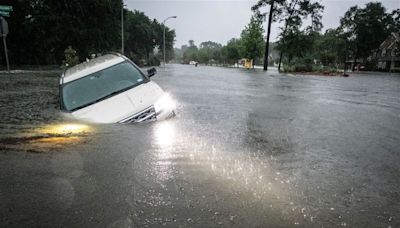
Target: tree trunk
[[271, 10], [355, 57], [284, 31], [354, 63]]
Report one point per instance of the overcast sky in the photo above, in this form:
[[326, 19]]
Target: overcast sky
[[221, 20]]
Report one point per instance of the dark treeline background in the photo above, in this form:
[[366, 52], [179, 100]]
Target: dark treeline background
[[41, 30]]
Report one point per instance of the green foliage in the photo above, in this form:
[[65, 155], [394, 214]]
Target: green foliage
[[361, 31], [252, 40], [209, 51], [153, 61], [71, 58], [231, 52], [301, 67], [330, 48], [44, 28], [366, 28], [190, 53], [295, 44], [40, 30], [291, 14]]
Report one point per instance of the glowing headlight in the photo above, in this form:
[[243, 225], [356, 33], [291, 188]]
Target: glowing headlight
[[165, 103]]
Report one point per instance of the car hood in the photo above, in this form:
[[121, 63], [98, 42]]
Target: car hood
[[121, 106]]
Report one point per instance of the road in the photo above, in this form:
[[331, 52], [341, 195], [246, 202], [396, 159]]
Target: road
[[246, 149]]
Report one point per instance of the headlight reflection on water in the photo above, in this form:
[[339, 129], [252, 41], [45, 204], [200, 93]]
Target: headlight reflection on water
[[164, 133], [165, 137], [65, 129], [58, 134], [183, 154]]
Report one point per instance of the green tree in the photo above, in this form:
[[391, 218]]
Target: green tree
[[191, 52], [297, 44], [139, 36], [143, 35], [274, 11], [169, 40], [231, 52], [252, 39], [366, 28], [209, 51], [330, 48], [292, 14], [41, 30]]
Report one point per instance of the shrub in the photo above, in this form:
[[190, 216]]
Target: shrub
[[71, 58], [303, 68], [153, 61]]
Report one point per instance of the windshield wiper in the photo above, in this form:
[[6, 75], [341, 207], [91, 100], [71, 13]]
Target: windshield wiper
[[98, 100]]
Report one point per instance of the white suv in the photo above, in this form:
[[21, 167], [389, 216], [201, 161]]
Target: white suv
[[112, 89]]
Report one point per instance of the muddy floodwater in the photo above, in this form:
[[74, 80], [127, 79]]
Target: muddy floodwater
[[246, 149]]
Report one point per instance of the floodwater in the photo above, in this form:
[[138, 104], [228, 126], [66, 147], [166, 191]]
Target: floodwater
[[246, 149]]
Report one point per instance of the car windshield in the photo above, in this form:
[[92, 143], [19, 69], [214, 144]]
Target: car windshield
[[100, 85]]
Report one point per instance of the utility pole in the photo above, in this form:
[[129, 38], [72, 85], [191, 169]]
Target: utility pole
[[122, 27]]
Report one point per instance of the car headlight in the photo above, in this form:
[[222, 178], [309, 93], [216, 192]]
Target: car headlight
[[165, 103]]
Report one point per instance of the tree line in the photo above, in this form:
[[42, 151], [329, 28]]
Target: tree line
[[249, 45], [301, 44], [42, 30]]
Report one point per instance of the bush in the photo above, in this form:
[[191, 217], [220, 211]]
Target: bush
[[303, 68], [153, 61], [71, 58], [326, 70]]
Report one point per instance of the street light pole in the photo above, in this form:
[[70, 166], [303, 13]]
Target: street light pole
[[164, 36], [122, 27]]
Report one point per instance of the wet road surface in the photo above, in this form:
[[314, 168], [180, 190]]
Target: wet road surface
[[246, 149]]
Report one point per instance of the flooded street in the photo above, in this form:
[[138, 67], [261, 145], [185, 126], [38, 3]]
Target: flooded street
[[246, 149]]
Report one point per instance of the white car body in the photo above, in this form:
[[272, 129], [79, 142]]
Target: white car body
[[143, 102]]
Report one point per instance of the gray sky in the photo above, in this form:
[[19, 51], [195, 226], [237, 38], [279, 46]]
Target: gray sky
[[221, 20]]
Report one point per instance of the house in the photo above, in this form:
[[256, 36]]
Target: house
[[388, 54]]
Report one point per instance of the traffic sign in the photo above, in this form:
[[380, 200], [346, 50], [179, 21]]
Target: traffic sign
[[6, 8], [4, 27], [4, 13], [4, 32]]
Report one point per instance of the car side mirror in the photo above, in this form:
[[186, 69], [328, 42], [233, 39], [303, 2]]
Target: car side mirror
[[151, 72]]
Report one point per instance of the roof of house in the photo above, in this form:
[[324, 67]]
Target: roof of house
[[390, 41]]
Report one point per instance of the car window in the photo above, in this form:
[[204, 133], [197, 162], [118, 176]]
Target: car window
[[96, 86]]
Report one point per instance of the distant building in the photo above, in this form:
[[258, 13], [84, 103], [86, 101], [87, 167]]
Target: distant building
[[388, 55]]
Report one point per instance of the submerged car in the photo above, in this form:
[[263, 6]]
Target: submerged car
[[113, 89]]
